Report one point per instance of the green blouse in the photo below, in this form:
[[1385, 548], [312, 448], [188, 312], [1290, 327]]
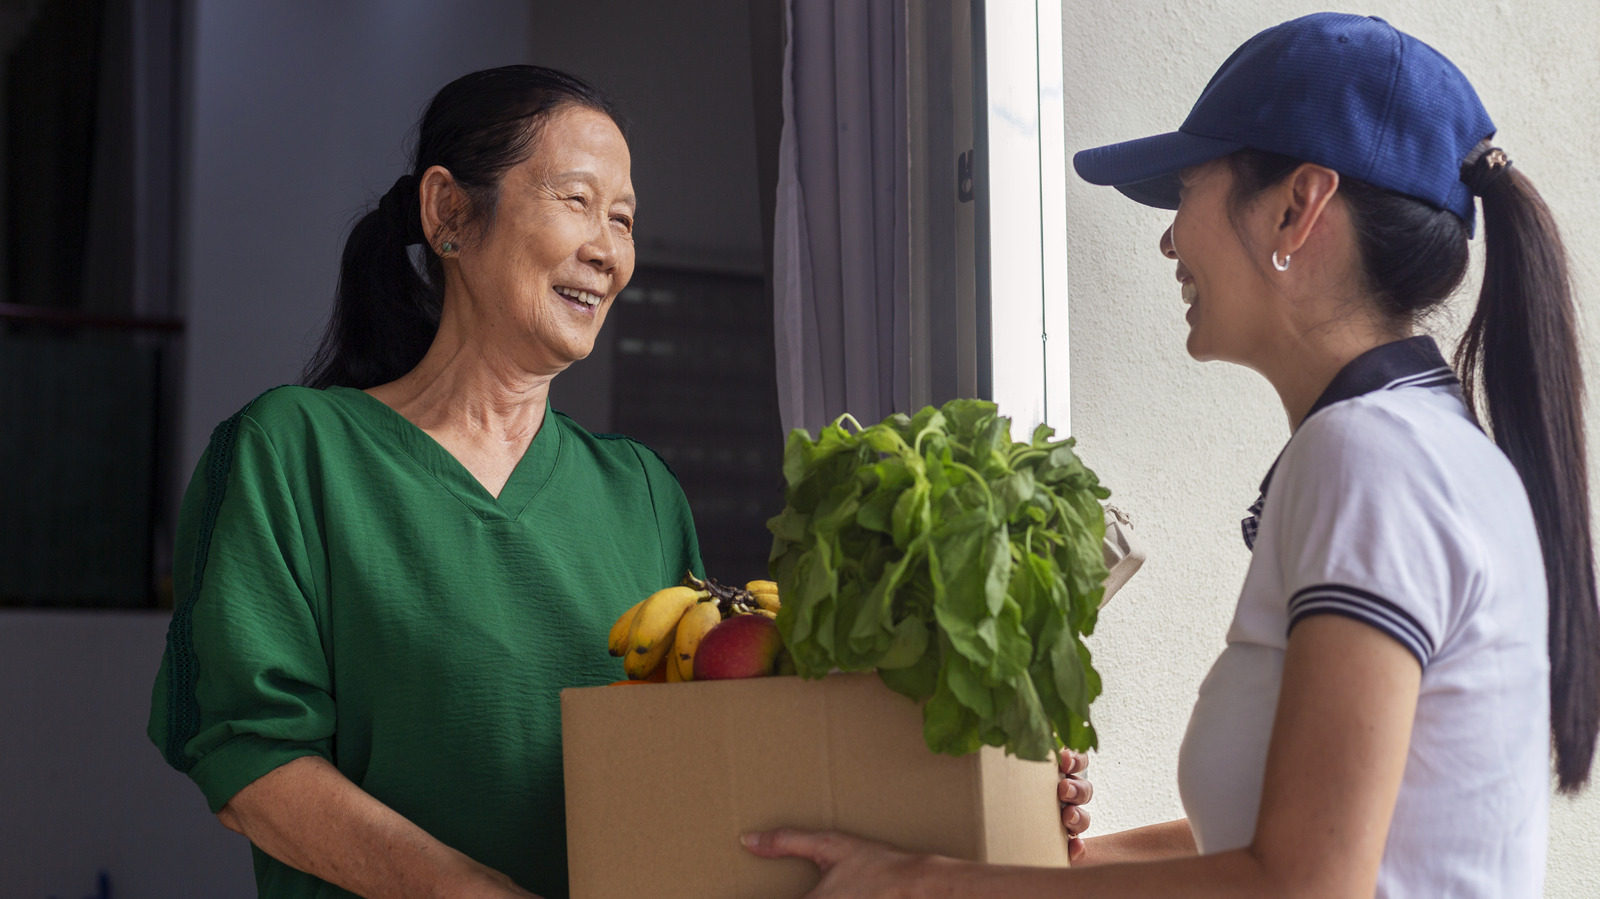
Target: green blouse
[[346, 589]]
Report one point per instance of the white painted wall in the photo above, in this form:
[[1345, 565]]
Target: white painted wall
[[1185, 445]]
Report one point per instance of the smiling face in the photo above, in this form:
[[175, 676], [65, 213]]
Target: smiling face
[[1231, 313], [541, 277]]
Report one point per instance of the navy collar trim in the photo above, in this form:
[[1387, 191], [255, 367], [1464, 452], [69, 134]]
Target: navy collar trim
[[1412, 362]]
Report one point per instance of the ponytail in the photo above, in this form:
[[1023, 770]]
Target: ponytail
[[385, 312], [386, 309], [1522, 342]]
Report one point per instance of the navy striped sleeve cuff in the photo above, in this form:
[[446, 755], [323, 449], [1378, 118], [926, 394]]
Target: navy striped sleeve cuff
[[1368, 608]]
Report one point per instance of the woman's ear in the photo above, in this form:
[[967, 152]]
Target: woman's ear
[[1303, 197], [441, 201]]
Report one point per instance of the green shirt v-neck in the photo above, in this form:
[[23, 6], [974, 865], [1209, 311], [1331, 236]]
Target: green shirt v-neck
[[347, 589]]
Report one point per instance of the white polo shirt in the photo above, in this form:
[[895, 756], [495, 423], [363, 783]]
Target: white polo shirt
[[1391, 507]]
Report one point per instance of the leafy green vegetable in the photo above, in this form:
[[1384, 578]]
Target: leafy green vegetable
[[963, 567]]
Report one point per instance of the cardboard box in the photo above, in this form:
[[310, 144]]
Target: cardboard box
[[662, 779]]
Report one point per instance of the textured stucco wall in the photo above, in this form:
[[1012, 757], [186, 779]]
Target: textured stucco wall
[[1184, 445]]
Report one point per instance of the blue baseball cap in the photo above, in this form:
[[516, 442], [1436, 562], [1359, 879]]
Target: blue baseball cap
[[1352, 93]]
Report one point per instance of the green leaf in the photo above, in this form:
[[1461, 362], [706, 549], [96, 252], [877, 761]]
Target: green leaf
[[877, 509], [1066, 666], [947, 725], [1013, 646], [956, 563], [1031, 586], [989, 447], [805, 618], [996, 568], [966, 416], [875, 625], [917, 680], [796, 457], [964, 566], [930, 422], [912, 515], [1028, 730], [850, 607], [968, 686], [1012, 492], [884, 439], [838, 510], [908, 645], [789, 525]]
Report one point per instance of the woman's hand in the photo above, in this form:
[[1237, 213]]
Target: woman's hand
[[1073, 792], [852, 868]]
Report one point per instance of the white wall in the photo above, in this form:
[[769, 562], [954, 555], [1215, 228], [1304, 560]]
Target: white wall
[[1185, 445]]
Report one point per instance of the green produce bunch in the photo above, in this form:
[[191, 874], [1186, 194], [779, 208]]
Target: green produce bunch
[[963, 567]]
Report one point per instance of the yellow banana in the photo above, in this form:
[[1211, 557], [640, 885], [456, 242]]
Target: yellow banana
[[619, 631], [674, 673], [658, 674], [703, 617], [654, 626], [765, 593], [768, 613]]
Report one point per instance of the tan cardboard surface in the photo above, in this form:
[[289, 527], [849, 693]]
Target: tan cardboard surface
[[662, 779]]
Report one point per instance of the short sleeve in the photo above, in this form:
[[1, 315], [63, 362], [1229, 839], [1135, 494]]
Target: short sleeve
[[1365, 526], [244, 685], [680, 547]]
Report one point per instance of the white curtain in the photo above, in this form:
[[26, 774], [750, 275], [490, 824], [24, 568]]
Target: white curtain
[[840, 267]]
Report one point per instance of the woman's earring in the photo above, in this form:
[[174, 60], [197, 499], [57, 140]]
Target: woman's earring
[[1282, 266], [446, 248]]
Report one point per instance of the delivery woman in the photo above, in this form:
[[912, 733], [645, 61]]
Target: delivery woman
[[383, 584], [1418, 625]]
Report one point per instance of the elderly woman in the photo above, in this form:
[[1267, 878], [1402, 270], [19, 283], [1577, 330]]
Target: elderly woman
[[384, 582]]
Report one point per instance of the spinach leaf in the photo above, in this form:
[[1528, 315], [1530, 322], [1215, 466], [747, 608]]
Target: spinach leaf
[[964, 567]]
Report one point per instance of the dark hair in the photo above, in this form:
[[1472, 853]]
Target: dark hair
[[386, 307], [1521, 343]]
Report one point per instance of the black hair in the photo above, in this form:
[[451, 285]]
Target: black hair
[[387, 307], [1520, 370]]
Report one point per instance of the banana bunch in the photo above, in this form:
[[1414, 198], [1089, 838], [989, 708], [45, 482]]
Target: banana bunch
[[658, 637]]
